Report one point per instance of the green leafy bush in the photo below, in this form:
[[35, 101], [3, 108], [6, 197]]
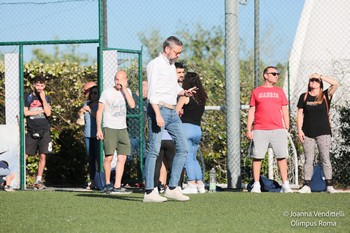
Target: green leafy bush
[[66, 165], [340, 156]]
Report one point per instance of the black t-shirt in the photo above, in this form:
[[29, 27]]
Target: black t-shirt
[[316, 120], [37, 122], [192, 112]]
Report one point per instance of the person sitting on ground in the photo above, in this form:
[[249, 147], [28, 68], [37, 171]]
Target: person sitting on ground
[[6, 176]]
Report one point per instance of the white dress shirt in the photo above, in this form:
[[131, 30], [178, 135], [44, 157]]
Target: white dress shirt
[[162, 81]]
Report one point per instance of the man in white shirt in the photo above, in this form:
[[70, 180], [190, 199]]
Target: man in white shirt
[[163, 90]]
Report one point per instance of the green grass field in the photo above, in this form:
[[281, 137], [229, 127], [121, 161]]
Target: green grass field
[[57, 211]]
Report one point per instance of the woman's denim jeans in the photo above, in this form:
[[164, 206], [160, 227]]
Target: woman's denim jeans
[[193, 134]]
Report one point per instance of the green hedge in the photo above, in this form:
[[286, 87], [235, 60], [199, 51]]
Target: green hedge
[[66, 165]]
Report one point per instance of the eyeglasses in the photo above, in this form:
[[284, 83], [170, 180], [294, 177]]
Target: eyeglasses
[[274, 73], [314, 80], [176, 53]]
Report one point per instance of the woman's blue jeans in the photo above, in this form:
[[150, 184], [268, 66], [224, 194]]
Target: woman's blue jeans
[[193, 134]]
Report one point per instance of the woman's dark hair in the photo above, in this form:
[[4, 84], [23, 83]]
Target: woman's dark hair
[[192, 80], [90, 90], [319, 97]]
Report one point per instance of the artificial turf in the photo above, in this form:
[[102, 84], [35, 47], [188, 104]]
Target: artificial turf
[[53, 211]]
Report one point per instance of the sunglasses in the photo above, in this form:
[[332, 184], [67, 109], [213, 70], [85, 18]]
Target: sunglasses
[[314, 80], [274, 73]]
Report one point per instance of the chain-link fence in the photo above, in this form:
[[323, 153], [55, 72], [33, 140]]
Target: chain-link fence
[[9, 98], [40, 20], [299, 38], [131, 62], [322, 48], [46, 39], [64, 82], [267, 30], [289, 35]]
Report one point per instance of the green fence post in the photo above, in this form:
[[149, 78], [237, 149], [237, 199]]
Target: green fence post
[[21, 121]]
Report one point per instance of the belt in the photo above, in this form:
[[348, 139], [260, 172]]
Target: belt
[[166, 105]]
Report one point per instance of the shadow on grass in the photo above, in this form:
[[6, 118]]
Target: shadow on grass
[[124, 197], [131, 197]]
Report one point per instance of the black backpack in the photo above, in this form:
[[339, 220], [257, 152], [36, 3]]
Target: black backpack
[[267, 185]]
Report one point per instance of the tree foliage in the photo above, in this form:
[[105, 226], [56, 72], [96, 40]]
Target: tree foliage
[[69, 54]]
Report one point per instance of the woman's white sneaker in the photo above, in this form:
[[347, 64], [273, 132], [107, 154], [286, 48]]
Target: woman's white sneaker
[[201, 188], [330, 189], [305, 189], [190, 189]]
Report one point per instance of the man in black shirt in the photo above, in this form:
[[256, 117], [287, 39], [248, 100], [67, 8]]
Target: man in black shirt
[[37, 109]]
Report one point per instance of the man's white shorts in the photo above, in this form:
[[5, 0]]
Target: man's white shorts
[[278, 140]]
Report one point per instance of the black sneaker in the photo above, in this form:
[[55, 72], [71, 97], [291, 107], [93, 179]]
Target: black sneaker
[[92, 186], [120, 191], [107, 189], [161, 188]]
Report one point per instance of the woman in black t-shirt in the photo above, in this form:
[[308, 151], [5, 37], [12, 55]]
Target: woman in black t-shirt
[[193, 109], [314, 127]]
